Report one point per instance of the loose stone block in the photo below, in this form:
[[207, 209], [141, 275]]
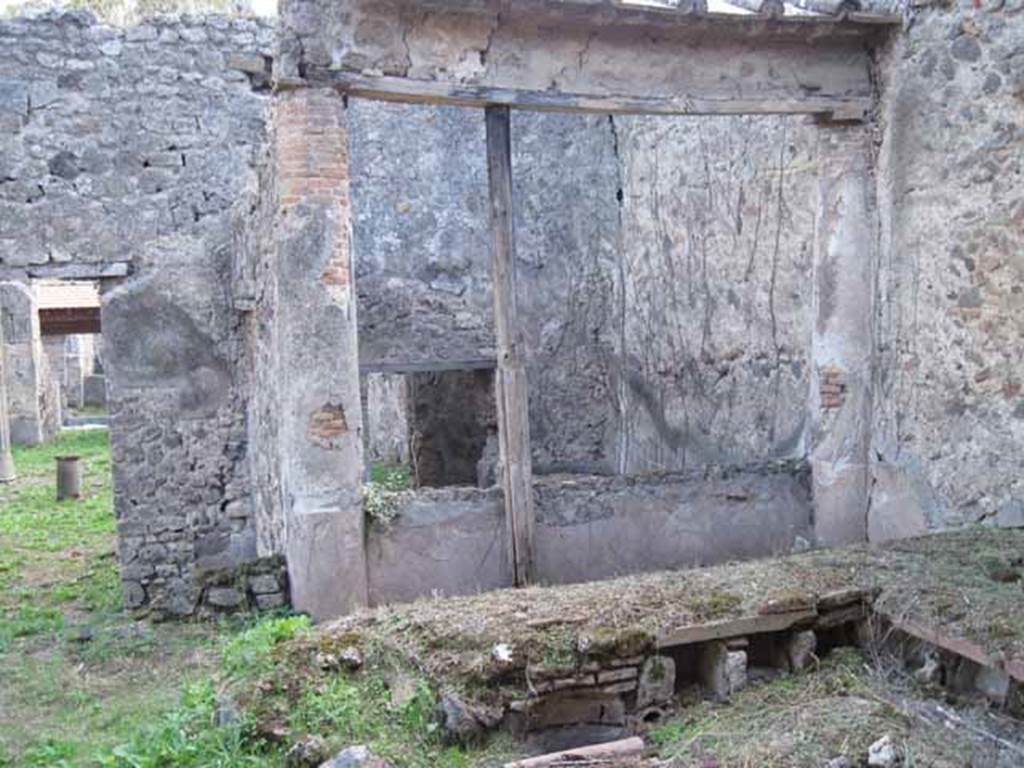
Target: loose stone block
[[712, 670], [617, 688], [657, 683], [800, 649], [572, 682], [736, 670], [269, 602]]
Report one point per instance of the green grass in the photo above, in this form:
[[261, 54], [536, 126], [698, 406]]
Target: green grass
[[83, 684], [56, 556], [391, 477], [63, 701]]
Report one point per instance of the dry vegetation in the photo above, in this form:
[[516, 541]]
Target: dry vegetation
[[967, 583]]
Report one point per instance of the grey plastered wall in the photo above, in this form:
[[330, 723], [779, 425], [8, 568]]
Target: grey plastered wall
[[452, 541], [596, 528], [717, 251], [132, 147], [663, 270], [949, 414]]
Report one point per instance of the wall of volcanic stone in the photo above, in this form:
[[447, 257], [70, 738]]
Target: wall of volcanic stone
[[949, 415], [124, 152]]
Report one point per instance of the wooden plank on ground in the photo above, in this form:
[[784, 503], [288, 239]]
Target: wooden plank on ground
[[512, 395], [596, 754], [726, 628]]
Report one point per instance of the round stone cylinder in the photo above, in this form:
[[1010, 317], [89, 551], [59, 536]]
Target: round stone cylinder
[[69, 477]]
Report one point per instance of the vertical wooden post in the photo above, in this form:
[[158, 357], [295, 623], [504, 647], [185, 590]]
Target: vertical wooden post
[[7, 473], [512, 393]]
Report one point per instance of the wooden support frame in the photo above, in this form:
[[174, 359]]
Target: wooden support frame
[[512, 394]]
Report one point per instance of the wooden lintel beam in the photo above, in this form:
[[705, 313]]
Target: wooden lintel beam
[[430, 366], [81, 271], [409, 90], [68, 322], [512, 395]]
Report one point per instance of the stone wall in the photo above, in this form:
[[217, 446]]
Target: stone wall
[[949, 414], [124, 152], [666, 281]]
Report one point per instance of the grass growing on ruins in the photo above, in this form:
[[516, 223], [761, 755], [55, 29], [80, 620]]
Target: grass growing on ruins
[[84, 684], [838, 709]]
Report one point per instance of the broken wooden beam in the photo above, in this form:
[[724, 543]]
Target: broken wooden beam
[[956, 645]]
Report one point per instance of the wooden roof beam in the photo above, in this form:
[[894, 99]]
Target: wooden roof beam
[[407, 90]]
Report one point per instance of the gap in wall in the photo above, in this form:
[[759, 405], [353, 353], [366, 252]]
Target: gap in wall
[[431, 428]]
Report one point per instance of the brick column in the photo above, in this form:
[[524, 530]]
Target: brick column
[[321, 415], [842, 343]]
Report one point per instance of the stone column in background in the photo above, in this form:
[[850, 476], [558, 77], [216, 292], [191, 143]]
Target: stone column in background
[[842, 343], [33, 415], [7, 473], [321, 415]]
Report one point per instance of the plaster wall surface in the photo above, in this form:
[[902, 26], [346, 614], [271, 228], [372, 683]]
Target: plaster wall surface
[[949, 415], [454, 540], [663, 274], [716, 257], [449, 540], [598, 528]]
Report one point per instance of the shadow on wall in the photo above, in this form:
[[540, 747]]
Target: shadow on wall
[[158, 342]]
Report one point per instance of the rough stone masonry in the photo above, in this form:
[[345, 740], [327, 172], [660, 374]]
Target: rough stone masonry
[[668, 287]]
